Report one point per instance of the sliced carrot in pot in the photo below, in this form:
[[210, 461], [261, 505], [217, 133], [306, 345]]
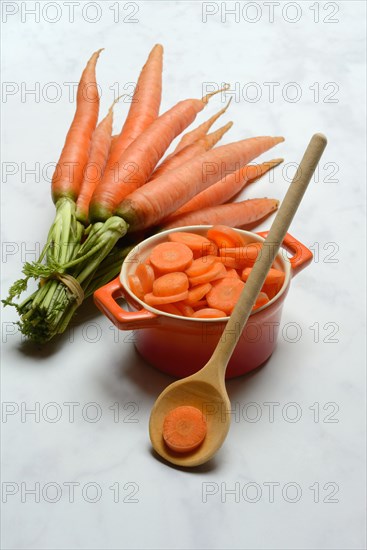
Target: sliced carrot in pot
[[169, 257], [185, 309], [197, 293], [225, 294], [274, 276], [200, 265], [171, 283], [217, 270], [261, 300], [241, 256], [194, 241], [209, 313], [200, 305], [271, 290], [169, 308], [232, 273], [224, 236], [135, 286], [145, 273], [153, 300]]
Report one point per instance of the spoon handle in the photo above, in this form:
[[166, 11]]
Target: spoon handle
[[279, 228]]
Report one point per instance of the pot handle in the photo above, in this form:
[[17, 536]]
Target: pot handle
[[302, 256], [105, 300]]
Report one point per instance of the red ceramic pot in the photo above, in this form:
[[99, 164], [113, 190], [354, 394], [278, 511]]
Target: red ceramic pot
[[181, 346]]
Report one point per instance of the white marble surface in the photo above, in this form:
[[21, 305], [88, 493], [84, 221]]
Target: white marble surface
[[157, 506]]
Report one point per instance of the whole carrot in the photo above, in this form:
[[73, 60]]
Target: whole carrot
[[69, 171], [235, 214], [100, 147], [226, 188], [190, 151], [200, 131], [145, 102], [161, 197], [136, 164]]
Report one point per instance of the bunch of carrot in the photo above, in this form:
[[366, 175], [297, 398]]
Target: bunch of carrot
[[108, 190]]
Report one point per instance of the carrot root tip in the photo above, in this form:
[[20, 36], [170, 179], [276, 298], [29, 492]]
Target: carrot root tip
[[206, 98]]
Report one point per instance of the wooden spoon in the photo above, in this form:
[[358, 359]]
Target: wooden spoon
[[206, 389]]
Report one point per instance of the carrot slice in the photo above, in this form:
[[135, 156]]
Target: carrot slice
[[215, 272], [231, 263], [194, 241], [136, 286], [232, 273], [197, 293], [184, 429], [240, 256], [169, 257], [225, 236], [274, 276], [200, 266], [270, 290], [169, 308], [209, 313], [207, 249], [261, 300], [146, 276], [171, 283], [225, 294], [200, 305], [153, 300], [185, 309]]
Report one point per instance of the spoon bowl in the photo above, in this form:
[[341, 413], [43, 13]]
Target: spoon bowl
[[210, 400]]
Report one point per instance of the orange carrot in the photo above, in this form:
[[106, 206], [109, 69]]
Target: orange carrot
[[274, 276], [235, 214], [225, 189], [135, 165], [207, 250], [153, 300], [225, 236], [261, 300], [197, 293], [161, 197], [209, 313], [169, 308], [184, 429], [145, 103], [200, 265], [271, 290], [146, 276], [171, 283], [100, 147], [68, 175], [257, 171], [169, 257], [241, 256], [194, 241], [216, 271], [224, 295], [191, 151], [200, 305], [185, 309], [200, 131], [232, 263], [232, 273], [135, 286]]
